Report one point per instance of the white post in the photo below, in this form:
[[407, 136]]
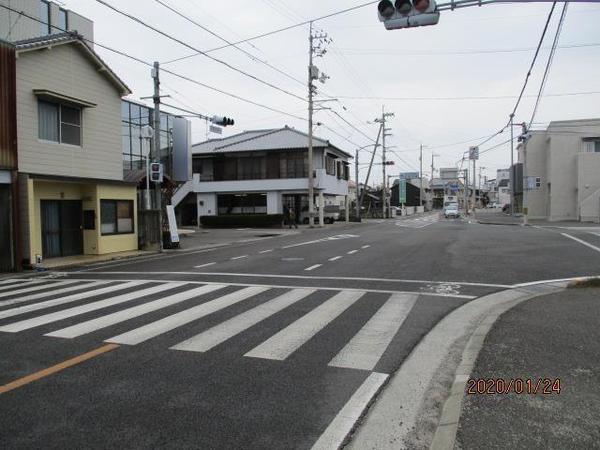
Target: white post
[[347, 208]]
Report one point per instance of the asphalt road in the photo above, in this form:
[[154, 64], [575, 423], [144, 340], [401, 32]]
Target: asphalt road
[[266, 344]]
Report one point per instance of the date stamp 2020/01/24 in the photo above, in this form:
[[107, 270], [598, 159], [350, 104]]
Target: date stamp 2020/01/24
[[500, 386]]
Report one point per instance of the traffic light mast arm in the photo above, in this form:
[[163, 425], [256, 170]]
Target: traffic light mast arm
[[450, 6]]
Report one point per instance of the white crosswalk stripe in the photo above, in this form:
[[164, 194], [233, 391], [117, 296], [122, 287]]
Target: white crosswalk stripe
[[232, 327], [184, 317], [130, 313], [288, 340], [31, 297], [64, 314], [366, 348], [69, 299], [37, 286], [419, 222], [362, 351]]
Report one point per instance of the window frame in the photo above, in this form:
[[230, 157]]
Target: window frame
[[61, 12], [45, 27], [59, 106], [116, 202]]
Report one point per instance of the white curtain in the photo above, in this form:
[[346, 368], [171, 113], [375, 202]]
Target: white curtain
[[48, 121]]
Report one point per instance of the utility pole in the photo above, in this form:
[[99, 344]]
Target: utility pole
[[466, 191], [357, 188], [362, 195], [524, 140], [313, 74], [512, 175], [384, 115], [156, 153], [421, 175], [474, 194]]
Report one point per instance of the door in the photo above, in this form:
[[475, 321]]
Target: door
[[62, 233], [6, 249]]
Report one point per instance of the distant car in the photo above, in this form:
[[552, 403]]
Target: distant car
[[451, 211], [331, 213]]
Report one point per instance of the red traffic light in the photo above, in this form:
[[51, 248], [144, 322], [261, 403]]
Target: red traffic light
[[421, 5]]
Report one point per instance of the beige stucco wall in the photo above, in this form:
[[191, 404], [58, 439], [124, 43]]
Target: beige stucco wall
[[64, 69], [94, 243]]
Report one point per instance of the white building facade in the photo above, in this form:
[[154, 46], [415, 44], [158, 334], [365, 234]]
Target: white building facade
[[562, 171], [260, 172]]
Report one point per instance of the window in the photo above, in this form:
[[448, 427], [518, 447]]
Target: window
[[242, 204], [591, 145], [63, 23], [45, 26], [116, 217], [538, 182], [329, 165], [59, 123]]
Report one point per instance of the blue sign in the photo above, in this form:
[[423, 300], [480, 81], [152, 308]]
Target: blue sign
[[402, 191], [409, 175]]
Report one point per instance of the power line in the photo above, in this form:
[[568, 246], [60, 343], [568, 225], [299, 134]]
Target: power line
[[549, 62], [146, 63], [488, 97], [279, 30], [250, 55], [191, 47]]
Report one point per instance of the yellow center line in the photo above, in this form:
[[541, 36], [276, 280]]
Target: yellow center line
[[56, 368]]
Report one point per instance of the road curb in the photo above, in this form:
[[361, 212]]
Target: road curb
[[445, 434], [421, 403]]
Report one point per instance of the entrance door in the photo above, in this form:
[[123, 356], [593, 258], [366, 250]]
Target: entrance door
[[62, 233]]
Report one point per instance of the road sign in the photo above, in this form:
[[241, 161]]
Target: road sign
[[402, 191], [473, 153], [409, 175]]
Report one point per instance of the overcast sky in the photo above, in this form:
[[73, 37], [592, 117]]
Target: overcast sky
[[473, 52]]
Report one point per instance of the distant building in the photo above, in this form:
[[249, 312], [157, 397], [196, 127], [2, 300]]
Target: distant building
[[563, 171], [260, 172]]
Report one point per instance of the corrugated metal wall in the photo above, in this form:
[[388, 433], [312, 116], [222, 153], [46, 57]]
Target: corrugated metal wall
[[8, 116]]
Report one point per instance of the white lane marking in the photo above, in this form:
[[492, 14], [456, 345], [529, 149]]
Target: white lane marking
[[68, 299], [335, 258], [317, 277], [330, 238], [313, 267], [37, 287], [77, 310], [39, 295], [368, 345], [266, 251], [232, 327], [239, 257], [283, 286], [365, 246], [288, 340], [587, 244], [352, 252], [169, 323], [343, 422], [205, 265], [130, 313]]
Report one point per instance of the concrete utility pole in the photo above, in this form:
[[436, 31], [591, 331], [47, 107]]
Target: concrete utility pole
[[512, 176], [311, 191], [466, 191], [525, 176], [384, 115], [356, 181], [156, 141], [362, 195], [474, 194], [421, 175]]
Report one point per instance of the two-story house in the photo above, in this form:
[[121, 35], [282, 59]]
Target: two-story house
[[72, 197], [562, 171], [260, 171]]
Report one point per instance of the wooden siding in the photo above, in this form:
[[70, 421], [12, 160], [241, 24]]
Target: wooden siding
[[65, 69], [8, 124]]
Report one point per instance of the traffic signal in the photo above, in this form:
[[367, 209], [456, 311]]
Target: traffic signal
[[156, 172], [223, 121], [390, 163], [407, 13]]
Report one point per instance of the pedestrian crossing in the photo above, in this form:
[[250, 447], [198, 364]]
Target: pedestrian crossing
[[46, 303], [419, 222]]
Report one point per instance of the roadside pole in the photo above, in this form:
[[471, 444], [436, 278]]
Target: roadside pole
[[384, 181], [512, 175], [474, 195], [156, 153], [311, 192], [466, 191], [356, 181], [421, 175]]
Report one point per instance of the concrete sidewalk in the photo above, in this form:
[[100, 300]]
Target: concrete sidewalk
[[486, 217], [556, 339]]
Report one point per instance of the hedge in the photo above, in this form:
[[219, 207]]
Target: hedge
[[248, 221]]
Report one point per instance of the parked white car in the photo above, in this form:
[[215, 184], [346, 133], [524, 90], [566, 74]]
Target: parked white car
[[451, 210]]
